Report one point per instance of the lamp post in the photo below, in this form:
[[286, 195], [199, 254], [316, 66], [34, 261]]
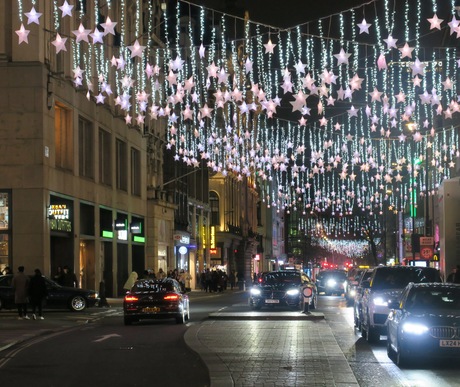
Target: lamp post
[[412, 127]]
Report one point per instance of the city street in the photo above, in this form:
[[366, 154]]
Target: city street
[[103, 351]]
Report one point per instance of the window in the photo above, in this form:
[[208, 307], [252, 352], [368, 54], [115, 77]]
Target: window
[[135, 172], [85, 149], [122, 178], [105, 157], [214, 203], [63, 138]]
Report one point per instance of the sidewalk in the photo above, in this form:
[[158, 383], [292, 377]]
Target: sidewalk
[[237, 351]]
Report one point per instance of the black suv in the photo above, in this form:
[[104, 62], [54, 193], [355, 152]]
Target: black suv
[[282, 288], [331, 282]]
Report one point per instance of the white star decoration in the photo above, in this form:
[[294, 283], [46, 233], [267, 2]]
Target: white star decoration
[[435, 22], [136, 49], [364, 27], [269, 46], [342, 57], [81, 34], [33, 16], [59, 43], [23, 34], [109, 26], [66, 9]]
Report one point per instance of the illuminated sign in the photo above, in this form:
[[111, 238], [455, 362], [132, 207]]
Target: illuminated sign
[[58, 211], [122, 235], [183, 239], [120, 224], [213, 251], [182, 250], [136, 228], [213, 237], [203, 236]]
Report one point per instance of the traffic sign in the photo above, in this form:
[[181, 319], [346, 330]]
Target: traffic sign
[[426, 252], [426, 241], [307, 292]]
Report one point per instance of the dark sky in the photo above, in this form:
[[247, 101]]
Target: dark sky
[[280, 13]]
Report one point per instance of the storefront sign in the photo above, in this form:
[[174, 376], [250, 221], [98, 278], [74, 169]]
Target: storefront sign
[[215, 253], [213, 237], [120, 224], [136, 228], [182, 239], [183, 250], [58, 211]]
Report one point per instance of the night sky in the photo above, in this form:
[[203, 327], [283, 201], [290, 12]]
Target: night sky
[[278, 13]]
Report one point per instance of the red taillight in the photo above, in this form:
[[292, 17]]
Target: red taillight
[[131, 298], [171, 297]]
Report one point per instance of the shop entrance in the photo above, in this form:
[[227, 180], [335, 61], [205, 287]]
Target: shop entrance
[[61, 253], [87, 278]]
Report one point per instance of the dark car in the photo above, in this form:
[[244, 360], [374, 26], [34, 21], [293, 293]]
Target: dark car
[[282, 288], [58, 296], [423, 323], [156, 299], [359, 291], [386, 283], [331, 282]]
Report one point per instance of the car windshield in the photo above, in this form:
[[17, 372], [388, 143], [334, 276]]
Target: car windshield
[[399, 278], [281, 277], [152, 286], [433, 298]]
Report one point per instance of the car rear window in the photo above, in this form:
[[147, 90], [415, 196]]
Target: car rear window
[[341, 276], [279, 277], [398, 278], [152, 286]]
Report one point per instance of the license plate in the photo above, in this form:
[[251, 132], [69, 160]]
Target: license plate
[[449, 343], [270, 301], [154, 309]]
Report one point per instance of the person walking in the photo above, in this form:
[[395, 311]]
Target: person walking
[[161, 274], [20, 286], [37, 293]]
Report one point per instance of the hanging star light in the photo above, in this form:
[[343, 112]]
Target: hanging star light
[[97, 36], [33, 16], [406, 51], [23, 34], [59, 43], [342, 57], [66, 9], [109, 26], [269, 47], [435, 23], [364, 27], [136, 49], [81, 34]]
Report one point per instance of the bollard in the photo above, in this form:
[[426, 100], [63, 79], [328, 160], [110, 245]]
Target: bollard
[[307, 293]]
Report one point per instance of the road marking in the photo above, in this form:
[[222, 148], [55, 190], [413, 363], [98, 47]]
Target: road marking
[[105, 337]]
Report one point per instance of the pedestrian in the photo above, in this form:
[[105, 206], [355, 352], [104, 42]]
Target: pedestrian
[[59, 275], [130, 281], [20, 285], [37, 293], [69, 279], [452, 275], [161, 274], [102, 297], [231, 278], [184, 280]]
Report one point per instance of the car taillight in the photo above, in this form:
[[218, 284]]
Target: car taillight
[[131, 298], [171, 297]]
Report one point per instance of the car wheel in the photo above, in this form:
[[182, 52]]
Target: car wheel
[[181, 318], [128, 320], [77, 303]]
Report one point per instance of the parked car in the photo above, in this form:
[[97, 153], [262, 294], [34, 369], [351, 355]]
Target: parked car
[[282, 288], [423, 323], [58, 296], [156, 299], [386, 283], [331, 282], [359, 291], [353, 279]]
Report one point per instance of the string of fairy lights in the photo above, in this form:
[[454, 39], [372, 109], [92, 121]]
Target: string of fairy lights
[[343, 117]]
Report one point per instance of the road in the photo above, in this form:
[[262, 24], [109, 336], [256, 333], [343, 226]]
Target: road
[[105, 352]]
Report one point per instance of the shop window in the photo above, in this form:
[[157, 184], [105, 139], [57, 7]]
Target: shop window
[[63, 138], [85, 148], [214, 203], [122, 178], [135, 172], [105, 158]]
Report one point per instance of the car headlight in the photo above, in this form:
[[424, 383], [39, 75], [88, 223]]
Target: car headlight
[[255, 292], [292, 292], [352, 292], [331, 283], [93, 295], [380, 301], [414, 328]]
